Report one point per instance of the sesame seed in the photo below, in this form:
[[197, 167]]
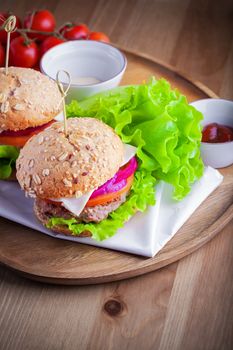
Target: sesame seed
[[41, 140], [3, 98], [31, 163], [73, 164], [32, 194], [36, 179], [78, 194], [4, 107], [18, 107], [67, 183], [62, 156], [45, 172], [27, 181]]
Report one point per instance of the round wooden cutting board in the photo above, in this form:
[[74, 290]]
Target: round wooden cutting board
[[47, 259]]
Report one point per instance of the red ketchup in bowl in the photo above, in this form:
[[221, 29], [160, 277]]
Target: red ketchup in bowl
[[215, 133]]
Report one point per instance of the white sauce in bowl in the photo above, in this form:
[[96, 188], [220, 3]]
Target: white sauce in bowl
[[85, 80]]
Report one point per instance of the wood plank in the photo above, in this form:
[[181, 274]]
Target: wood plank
[[201, 302], [120, 315]]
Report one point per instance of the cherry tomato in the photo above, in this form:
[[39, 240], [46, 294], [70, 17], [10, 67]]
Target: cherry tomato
[[50, 42], [2, 56], [37, 67], [42, 20], [214, 132], [66, 26], [23, 54], [99, 37], [75, 32], [3, 34]]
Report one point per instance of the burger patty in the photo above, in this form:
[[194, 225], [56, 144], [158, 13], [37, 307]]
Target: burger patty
[[46, 210]]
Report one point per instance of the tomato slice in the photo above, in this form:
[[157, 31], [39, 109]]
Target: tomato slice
[[18, 141], [19, 138]]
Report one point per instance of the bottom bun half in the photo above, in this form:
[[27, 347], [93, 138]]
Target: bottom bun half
[[62, 229]]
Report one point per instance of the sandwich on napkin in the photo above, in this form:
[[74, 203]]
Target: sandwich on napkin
[[84, 175]]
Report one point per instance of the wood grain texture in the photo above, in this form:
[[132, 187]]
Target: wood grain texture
[[68, 263], [187, 305]]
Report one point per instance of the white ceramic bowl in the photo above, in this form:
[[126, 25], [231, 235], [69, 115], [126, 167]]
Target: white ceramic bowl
[[85, 58], [217, 155]]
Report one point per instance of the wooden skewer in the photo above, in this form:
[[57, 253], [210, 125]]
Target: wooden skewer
[[9, 26], [63, 94]]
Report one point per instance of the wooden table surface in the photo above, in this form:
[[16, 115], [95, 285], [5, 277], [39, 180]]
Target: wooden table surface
[[187, 305]]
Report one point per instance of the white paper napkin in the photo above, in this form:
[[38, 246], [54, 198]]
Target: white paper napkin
[[145, 234]]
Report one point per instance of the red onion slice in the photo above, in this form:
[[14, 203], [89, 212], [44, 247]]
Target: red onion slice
[[118, 181]]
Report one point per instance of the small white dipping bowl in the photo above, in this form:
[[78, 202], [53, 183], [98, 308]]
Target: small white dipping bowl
[[85, 58], [217, 155]]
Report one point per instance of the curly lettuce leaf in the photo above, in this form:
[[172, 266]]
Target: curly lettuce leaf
[[159, 122], [141, 195], [8, 156]]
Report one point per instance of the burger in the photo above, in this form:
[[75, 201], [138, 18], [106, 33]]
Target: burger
[[78, 177], [29, 102]]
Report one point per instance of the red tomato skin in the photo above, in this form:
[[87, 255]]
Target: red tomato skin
[[42, 20], [2, 55], [48, 43], [23, 55], [66, 26], [214, 133], [99, 36], [3, 34], [76, 32], [37, 67]]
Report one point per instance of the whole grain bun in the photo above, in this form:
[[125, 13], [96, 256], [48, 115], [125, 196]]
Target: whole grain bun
[[27, 99], [58, 228], [52, 165]]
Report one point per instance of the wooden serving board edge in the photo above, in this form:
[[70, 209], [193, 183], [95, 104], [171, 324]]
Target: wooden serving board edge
[[204, 237]]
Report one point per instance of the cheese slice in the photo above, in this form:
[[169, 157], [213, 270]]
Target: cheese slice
[[129, 152], [59, 117], [76, 205]]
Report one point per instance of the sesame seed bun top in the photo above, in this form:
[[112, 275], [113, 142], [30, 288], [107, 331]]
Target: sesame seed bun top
[[28, 98], [52, 165]]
